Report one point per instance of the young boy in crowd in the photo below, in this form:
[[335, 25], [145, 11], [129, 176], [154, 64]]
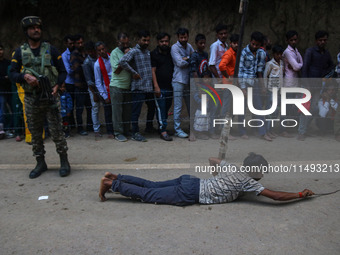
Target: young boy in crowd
[[273, 75], [199, 69], [199, 58], [66, 106], [327, 107]]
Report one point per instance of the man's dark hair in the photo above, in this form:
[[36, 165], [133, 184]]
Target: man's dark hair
[[321, 34], [89, 45], [291, 33], [67, 37], [277, 49], [221, 27], [161, 35], [199, 37], [182, 31], [143, 33], [257, 36], [77, 37], [99, 43], [122, 35], [1, 46], [255, 160], [234, 38]]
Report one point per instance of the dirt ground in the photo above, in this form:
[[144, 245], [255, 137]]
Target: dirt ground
[[73, 221]]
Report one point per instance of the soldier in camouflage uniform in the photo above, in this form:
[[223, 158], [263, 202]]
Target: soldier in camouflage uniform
[[39, 68]]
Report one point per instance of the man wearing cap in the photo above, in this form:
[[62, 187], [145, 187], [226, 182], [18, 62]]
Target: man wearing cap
[[39, 68]]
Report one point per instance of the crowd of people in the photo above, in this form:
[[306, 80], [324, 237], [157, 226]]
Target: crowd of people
[[123, 79]]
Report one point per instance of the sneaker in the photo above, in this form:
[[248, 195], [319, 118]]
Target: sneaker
[[9, 134], [120, 138], [82, 132], [18, 138], [138, 137], [166, 137], [67, 135], [181, 134]]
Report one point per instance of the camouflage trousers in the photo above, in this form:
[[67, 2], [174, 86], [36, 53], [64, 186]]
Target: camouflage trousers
[[36, 113]]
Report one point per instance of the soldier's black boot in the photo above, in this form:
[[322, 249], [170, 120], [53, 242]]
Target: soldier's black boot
[[39, 168], [65, 167]]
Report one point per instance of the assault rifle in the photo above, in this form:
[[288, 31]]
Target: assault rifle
[[46, 89]]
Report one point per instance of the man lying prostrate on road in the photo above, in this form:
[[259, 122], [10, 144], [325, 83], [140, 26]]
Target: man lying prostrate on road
[[224, 187]]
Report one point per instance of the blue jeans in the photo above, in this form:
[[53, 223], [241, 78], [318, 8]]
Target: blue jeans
[[181, 191], [180, 91], [257, 102], [70, 88], [163, 104], [108, 118]]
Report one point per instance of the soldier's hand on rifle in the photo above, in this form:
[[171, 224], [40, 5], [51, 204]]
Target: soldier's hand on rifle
[[31, 80], [55, 90]]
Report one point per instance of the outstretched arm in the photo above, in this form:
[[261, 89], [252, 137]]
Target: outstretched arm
[[284, 196]]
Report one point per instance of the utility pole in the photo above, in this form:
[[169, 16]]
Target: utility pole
[[226, 128]]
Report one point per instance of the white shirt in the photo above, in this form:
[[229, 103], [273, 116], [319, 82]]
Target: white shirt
[[98, 77], [217, 49]]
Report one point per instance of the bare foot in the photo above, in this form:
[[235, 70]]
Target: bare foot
[[267, 138], [110, 176], [245, 137], [232, 138], [271, 135], [105, 185]]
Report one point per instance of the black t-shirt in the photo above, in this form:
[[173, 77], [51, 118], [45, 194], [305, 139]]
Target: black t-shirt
[[56, 61], [164, 68], [5, 84]]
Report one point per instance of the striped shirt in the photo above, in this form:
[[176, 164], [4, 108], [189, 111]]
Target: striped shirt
[[226, 187], [138, 61]]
